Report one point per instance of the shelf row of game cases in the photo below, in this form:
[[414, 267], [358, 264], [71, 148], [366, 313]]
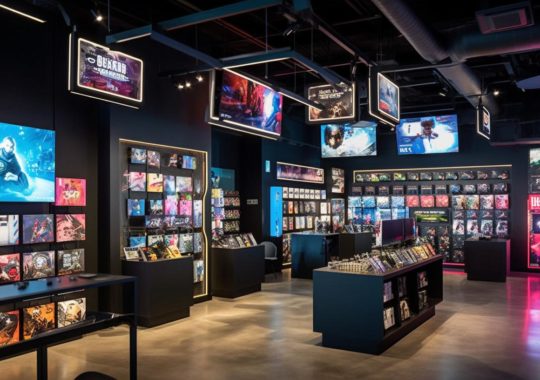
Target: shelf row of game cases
[[155, 159], [452, 175], [29, 322], [40, 264], [459, 202], [42, 228], [162, 183], [452, 189]]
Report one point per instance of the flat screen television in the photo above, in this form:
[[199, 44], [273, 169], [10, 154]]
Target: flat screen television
[[428, 135], [27, 164], [348, 140], [247, 104], [392, 231]]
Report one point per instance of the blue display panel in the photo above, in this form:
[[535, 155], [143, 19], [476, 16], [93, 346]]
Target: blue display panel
[[276, 211]]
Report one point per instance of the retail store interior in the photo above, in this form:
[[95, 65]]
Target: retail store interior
[[270, 189]]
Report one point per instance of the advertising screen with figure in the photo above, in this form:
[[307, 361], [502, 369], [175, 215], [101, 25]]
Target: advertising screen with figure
[[427, 135], [346, 140], [27, 164]]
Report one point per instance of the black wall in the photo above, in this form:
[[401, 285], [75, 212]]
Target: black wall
[[34, 93], [473, 151]]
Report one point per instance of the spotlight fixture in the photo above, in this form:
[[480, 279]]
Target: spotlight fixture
[[441, 93], [199, 78], [188, 84], [496, 92], [97, 15], [291, 29], [180, 86]]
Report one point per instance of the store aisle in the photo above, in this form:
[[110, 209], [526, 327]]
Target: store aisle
[[481, 331]]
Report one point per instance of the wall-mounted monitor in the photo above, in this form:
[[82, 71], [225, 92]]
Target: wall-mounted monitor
[[99, 72], [249, 106], [427, 135], [299, 173], [348, 140], [339, 104], [27, 164], [392, 231], [483, 123]]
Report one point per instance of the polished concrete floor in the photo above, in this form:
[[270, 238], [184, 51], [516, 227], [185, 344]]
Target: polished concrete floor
[[481, 331]]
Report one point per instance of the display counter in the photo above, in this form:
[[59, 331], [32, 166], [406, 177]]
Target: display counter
[[487, 260], [352, 312], [237, 271], [311, 250], [165, 289]]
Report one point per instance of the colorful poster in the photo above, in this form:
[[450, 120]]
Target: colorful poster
[[339, 103], [70, 192], [110, 73], [299, 173], [70, 227]]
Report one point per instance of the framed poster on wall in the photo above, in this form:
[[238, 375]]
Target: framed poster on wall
[[299, 173]]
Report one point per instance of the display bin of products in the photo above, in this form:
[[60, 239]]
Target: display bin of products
[[450, 204], [157, 280], [163, 193], [369, 311], [48, 312], [238, 271]]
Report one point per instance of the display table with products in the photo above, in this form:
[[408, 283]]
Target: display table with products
[[11, 297], [166, 289], [487, 260], [237, 271], [352, 311], [354, 243], [311, 250]]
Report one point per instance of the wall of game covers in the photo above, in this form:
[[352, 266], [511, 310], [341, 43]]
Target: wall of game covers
[[163, 191], [448, 204], [475, 152]]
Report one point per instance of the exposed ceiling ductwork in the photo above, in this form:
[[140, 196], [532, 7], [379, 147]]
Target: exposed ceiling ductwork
[[460, 76]]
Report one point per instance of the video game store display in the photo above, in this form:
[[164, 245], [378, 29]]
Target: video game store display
[[163, 192], [40, 246], [448, 204]]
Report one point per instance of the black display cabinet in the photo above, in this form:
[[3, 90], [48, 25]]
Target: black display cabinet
[[310, 251], [487, 260], [237, 272], [354, 243], [166, 289], [348, 307]]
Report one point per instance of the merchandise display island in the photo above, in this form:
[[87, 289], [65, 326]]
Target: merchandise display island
[[237, 271], [487, 260], [369, 312]]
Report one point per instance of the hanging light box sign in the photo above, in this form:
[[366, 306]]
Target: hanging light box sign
[[101, 73], [383, 98], [483, 122], [339, 104]]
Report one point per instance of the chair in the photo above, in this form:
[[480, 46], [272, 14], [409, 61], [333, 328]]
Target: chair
[[271, 260]]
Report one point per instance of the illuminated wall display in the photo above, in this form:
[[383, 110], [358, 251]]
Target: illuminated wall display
[[99, 72], [533, 217], [299, 173]]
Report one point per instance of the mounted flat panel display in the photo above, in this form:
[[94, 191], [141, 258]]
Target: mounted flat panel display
[[346, 140], [249, 105], [339, 104], [387, 97], [299, 173], [483, 124], [427, 135], [105, 74], [27, 164]]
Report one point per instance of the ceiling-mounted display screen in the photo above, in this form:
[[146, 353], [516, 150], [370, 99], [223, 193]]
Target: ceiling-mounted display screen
[[250, 105], [339, 104], [346, 140], [27, 164], [427, 135], [483, 124], [105, 74], [387, 97]]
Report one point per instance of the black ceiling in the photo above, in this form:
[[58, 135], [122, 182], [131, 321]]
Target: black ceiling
[[358, 20]]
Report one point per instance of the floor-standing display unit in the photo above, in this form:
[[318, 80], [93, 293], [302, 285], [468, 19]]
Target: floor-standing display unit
[[163, 198], [369, 312], [312, 250]]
